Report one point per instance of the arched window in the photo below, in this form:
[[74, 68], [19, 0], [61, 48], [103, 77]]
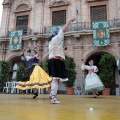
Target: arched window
[[15, 67]]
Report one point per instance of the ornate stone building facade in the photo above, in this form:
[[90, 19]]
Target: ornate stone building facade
[[35, 18]]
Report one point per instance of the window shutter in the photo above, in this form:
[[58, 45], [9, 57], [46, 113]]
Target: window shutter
[[22, 24], [59, 17], [98, 13]]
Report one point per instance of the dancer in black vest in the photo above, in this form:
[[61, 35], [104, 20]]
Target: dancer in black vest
[[56, 64]]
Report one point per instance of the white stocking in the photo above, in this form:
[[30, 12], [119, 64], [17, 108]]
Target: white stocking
[[54, 88]]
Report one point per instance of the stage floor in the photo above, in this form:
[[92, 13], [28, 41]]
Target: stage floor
[[73, 107]]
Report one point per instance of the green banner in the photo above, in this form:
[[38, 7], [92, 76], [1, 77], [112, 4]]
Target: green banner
[[58, 28], [15, 40], [101, 34]]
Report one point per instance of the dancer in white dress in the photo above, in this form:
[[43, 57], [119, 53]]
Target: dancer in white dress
[[92, 81]]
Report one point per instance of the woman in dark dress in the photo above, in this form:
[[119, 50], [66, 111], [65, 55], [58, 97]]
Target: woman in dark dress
[[36, 78]]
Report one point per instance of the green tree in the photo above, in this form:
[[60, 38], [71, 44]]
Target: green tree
[[44, 66], [107, 63], [0, 74], [4, 70], [70, 67], [20, 72]]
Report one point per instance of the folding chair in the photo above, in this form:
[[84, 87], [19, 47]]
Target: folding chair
[[13, 88], [7, 87]]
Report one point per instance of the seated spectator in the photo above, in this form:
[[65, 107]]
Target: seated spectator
[[78, 91]]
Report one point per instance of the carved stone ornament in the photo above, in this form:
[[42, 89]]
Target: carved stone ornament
[[57, 3], [7, 3], [23, 7]]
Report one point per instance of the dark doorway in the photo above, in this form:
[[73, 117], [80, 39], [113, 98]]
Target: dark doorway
[[12, 62], [95, 57], [17, 60]]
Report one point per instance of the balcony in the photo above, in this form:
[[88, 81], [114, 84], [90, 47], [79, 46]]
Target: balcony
[[80, 27], [86, 26]]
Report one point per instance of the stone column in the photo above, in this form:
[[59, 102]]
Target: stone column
[[2, 50], [78, 51], [39, 16], [5, 19], [32, 16], [117, 76]]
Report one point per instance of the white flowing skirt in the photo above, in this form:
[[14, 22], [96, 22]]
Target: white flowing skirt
[[93, 83]]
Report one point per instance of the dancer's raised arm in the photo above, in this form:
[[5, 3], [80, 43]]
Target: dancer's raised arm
[[65, 27]]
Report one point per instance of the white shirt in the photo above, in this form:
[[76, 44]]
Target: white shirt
[[56, 45], [36, 56], [28, 57], [87, 67]]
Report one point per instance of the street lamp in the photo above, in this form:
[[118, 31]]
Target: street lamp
[[29, 52], [22, 56]]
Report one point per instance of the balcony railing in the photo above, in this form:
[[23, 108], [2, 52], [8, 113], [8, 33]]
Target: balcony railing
[[74, 27], [26, 32], [85, 26]]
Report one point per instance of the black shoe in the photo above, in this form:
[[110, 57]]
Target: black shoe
[[35, 95]]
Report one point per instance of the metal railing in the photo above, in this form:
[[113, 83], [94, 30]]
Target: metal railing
[[85, 26], [115, 23], [26, 32], [74, 27]]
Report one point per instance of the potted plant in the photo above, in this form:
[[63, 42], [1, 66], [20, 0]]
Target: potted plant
[[44, 65], [20, 72], [106, 73], [70, 66]]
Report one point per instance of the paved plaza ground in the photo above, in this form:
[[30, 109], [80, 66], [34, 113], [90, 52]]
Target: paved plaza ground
[[72, 107]]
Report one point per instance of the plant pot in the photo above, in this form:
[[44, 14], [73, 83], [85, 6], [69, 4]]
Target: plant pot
[[70, 90], [49, 90], [106, 91]]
